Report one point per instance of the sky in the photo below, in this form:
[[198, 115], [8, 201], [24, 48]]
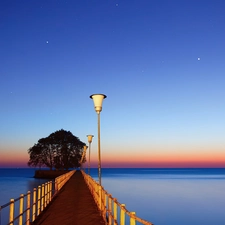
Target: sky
[[161, 65]]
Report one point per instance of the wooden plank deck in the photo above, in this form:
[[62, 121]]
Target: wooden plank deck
[[74, 205]]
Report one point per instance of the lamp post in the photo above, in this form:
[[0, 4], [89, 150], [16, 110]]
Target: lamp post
[[98, 99], [83, 155], [89, 146]]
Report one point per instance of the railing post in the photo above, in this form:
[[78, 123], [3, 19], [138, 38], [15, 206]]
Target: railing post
[[46, 194], [102, 200], [55, 190], [132, 220], [11, 212], [105, 196], [99, 198], [42, 196], [34, 205], [115, 211], [50, 190], [59, 183], [28, 209], [122, 215], [21, 209], [96, 192], [110, 209], [39, 200]]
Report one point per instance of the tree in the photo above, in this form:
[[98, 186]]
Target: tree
[[60, 150], [35, 156]]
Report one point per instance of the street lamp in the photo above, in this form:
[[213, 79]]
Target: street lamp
[[98, 99], [89, 146], [83, 154]]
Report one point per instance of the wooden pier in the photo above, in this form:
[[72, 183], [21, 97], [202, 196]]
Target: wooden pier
[[74, 204], [74, 198]]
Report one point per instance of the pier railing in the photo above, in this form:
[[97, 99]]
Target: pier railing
[[112, 211], [27, 207], [61, 180]]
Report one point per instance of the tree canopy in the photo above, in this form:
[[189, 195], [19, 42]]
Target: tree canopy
[[60, 150]]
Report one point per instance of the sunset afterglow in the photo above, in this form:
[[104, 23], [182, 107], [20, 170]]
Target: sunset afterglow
[[160, 63]]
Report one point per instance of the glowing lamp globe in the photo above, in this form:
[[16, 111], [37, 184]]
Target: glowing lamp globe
[[90, 138], [98, 99]]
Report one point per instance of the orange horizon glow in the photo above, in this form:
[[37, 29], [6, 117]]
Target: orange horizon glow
[[151, 159], [133, 165]]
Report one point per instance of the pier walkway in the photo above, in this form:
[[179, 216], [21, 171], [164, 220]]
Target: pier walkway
[[74, 205]]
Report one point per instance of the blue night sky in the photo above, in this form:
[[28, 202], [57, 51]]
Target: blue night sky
[[160, 63]]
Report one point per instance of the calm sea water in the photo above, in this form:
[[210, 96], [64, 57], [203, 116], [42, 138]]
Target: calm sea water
[[161, 196], [14, 182]]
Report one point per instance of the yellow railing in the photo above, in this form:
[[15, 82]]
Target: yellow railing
[[112, 211], [30, 205], [61, 180]]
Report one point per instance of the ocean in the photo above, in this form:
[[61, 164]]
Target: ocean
[[161, 196]]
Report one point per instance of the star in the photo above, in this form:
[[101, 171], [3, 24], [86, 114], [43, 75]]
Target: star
[[199, 59]]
